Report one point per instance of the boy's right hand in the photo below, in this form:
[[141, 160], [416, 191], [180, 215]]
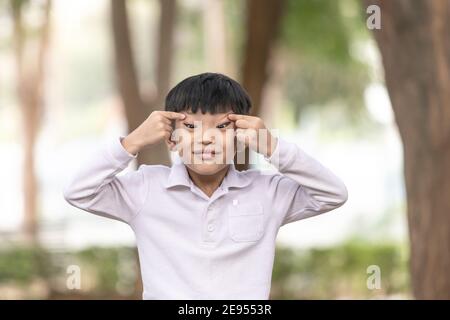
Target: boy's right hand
[[156, 128]]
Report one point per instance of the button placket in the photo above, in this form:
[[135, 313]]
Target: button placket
[[210, 218], [210, 224], [210, 227]]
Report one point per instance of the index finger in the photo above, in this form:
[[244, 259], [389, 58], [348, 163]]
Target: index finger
[[174, 115], [234, 116]]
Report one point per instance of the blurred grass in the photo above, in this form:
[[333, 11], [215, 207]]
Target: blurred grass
[[340, 272], [325, 273], [23, 264]]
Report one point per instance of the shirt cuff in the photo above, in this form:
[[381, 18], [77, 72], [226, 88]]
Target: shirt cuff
[[120, 156]]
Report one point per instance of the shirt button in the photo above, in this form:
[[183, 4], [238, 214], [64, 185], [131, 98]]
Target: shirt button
[[210, 227]]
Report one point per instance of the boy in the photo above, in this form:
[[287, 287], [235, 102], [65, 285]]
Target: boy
[[203, 229]]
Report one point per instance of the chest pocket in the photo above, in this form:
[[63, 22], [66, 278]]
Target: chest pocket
[[246, 222]]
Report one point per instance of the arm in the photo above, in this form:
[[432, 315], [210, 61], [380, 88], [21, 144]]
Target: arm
[[98, 189], [305, 187]]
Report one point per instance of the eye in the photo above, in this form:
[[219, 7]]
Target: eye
[[189, 125], [223, 125]]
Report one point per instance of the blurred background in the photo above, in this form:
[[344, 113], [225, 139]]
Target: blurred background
[[372, 105]]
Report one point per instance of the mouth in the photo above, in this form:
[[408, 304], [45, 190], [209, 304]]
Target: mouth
[[206, 154]]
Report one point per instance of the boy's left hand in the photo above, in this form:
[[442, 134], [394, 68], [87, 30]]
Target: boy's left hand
[[249, 130]]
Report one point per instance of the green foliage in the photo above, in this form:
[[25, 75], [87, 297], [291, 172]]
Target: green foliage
[[334, 272], [323, 29], [22, 264], [339, 272], [315, 27], [104, 262], [313, 83], [319, 38]]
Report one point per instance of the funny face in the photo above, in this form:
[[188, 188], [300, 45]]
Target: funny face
[[205, 142]]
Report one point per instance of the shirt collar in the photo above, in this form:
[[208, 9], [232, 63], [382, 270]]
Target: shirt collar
[[179, 176]]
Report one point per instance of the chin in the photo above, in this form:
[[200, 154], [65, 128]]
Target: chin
[[206, 169]]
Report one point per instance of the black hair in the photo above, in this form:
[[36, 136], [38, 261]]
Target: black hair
[[209, 92]]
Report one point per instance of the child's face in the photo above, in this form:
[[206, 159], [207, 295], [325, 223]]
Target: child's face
[[205, 142]]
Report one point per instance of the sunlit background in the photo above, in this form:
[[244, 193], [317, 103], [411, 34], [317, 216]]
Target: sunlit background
[[324, 91]]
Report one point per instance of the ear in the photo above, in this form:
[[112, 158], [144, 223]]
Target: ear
[[171, 145]]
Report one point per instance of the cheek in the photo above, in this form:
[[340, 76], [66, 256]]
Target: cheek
[[229, 140], [184, 142], [229, 147]]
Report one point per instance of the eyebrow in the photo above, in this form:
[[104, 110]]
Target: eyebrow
[[226, 115], [222, 121]]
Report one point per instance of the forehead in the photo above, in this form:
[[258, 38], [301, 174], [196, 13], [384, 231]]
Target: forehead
[[206, 117]]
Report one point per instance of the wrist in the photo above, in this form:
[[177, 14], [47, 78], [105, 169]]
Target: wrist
[[271, 146], [131, 144]]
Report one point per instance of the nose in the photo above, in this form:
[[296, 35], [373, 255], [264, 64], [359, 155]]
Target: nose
[[208, 137], [206, 143]]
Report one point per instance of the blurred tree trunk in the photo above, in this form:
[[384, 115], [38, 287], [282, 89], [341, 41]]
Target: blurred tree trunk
[[136, 109], [30, 90], [164, 57], [263, 24], [215, 35], [414, 41]]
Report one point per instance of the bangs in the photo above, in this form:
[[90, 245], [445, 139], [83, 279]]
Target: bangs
[[208, 92]]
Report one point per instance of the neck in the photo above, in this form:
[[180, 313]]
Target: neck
[[208, 183]]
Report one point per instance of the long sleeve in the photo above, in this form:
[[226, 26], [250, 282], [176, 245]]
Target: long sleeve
[[304, 187], [97, 188]]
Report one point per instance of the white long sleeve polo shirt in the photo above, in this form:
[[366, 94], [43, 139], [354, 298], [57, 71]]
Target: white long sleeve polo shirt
[[192, 246]]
